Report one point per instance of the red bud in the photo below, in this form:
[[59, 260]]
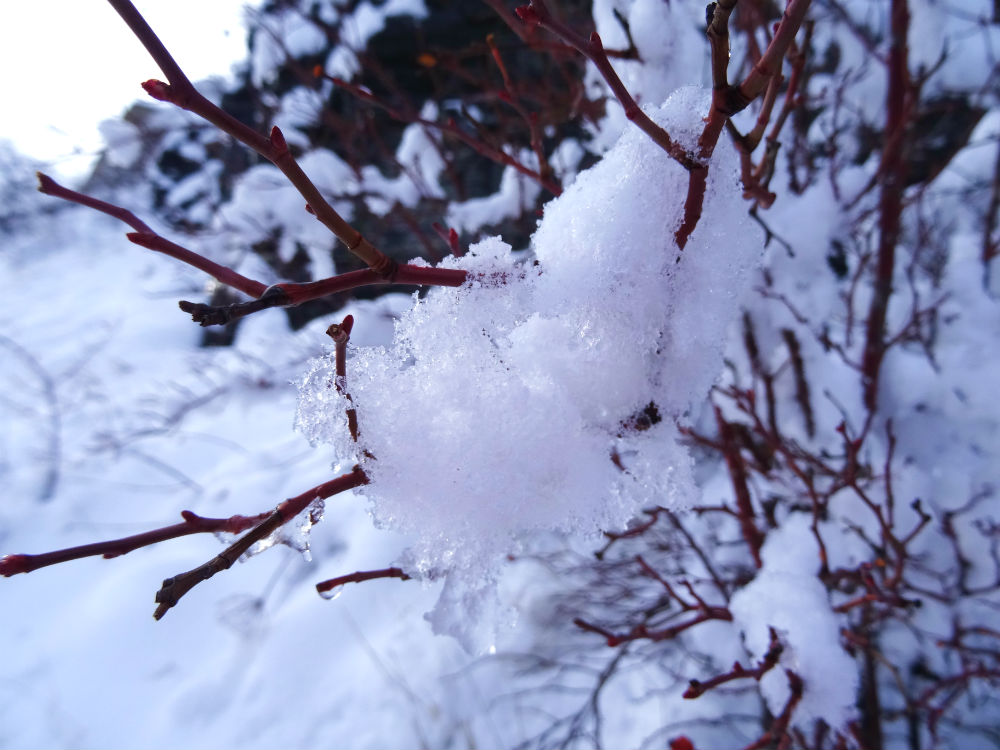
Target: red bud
[[158, 90], [278, 139], [13, 564], [142, 239]]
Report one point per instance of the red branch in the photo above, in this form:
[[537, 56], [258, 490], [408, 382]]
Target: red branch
[[450, 237], [286, 293], [192, 524], [780, 725], [537, 14], [180, 92], [341, 335], [278, 295], [727, 100], [738, 475], [146, 237], [174, 588], [368, 575], [643, 632], [893, 171], [697, 688]]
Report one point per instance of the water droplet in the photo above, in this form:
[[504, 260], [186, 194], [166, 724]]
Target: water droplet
[[332, 593]]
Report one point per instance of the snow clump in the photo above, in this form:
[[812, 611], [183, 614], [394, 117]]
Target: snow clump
[[544, 393], [788, 596]]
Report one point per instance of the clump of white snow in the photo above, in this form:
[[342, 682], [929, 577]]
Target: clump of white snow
[[544, 394], [788, 596]]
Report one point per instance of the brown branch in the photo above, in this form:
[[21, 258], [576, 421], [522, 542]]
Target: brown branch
[[769, 64], [192, 524], [727, 100], [960, 680], [510, 96], [642, 631], [176, 587], [781, 721], [146, 237], [277, 295], [893, 176], [286, 293], [637, 530], [537, 14], [738, 476], [180, 92], [664, 634], [341, 334], [752, 189], [697, 688], [648, 570], [991, 246], [718, 41], [798, 58], [332, 586], [612, 639], [802, 397]]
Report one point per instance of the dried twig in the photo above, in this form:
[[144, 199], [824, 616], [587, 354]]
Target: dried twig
[[177, 586]]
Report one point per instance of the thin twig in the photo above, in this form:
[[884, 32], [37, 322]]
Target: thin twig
[[537, 14], [177, 586], [893, 174], [192, 524], [144, 236], [180, 92], [360, 576]]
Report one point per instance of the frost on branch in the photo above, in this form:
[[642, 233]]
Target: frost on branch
[[513, 403]]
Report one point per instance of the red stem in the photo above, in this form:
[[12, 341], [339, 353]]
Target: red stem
[[281, 294], [192, 524], [174, 588], [893, 169], [697, 688], [728, 100], [146, 237], [341, 335], [359, 577], [781, 721], [405, 274], [181, 93], [537, 14], [738, 475]]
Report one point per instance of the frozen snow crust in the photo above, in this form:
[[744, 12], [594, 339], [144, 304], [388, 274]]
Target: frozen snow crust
[[501, 404]]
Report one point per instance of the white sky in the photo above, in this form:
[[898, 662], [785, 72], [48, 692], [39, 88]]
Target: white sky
[[65, 65]]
